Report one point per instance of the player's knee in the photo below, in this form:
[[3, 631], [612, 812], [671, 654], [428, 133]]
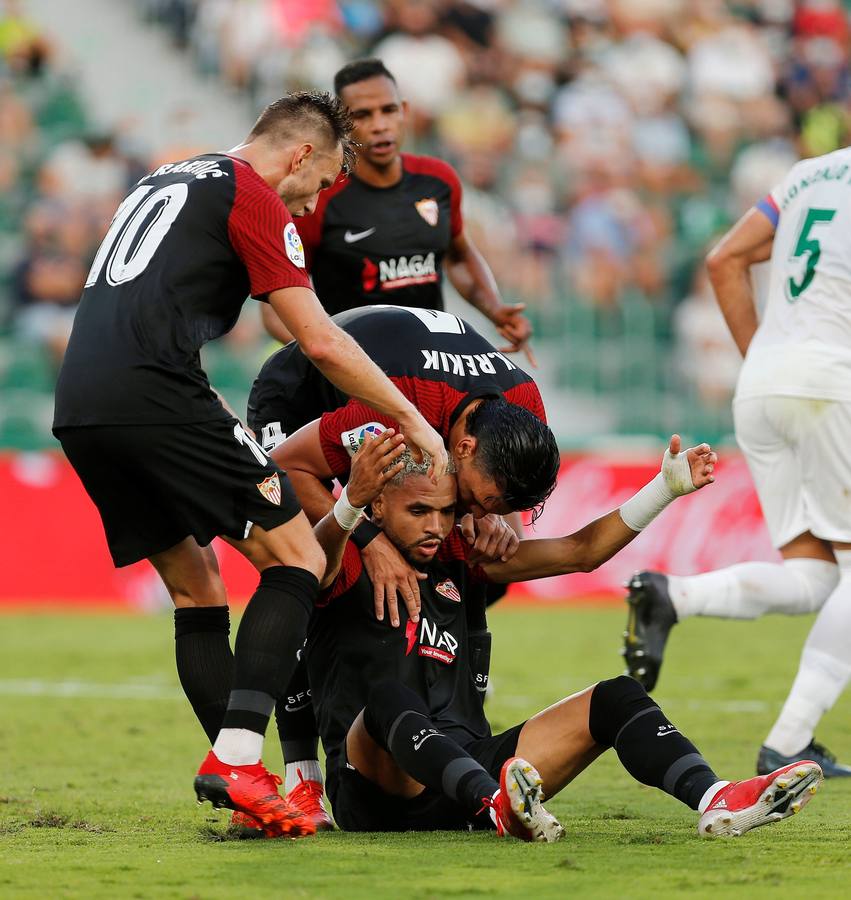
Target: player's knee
[[308, 556], [613, 703], [297, 584], [314, 560], [306, 553], [208, 590], [387, 703], [817, 578]]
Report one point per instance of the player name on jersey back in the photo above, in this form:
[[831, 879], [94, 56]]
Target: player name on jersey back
[[185, 248], [465, 363]]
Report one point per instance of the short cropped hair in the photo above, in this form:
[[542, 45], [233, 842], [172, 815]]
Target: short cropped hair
[[360, 70], [303, 111], [517, 450]]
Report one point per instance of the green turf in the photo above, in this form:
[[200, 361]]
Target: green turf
[[98, 749]]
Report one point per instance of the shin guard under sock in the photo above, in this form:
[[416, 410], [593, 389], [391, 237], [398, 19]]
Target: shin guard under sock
[[397, 719], [478, 636], [204, 662], [651, 749], [296, 720], [269, 637]]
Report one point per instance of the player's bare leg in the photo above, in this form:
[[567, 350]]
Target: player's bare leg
[[272, 630], [558, 741]]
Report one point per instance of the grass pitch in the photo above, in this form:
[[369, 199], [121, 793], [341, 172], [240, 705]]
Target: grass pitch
[[98, 749]]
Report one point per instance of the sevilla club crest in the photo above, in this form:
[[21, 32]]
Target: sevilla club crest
[[429, 210], [270, 488], [447, 589]]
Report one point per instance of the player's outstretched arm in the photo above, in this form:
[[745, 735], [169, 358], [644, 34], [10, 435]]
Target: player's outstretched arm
[[344, 363], [682, 473], [748, 242], [472, 277]]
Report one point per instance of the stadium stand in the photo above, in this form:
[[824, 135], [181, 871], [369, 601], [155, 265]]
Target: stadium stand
[[594, 193]]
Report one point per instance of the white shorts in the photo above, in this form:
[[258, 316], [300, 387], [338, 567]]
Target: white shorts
[[799, 454]]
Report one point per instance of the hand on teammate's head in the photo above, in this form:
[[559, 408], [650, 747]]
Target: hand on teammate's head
[[421, 437], [375, 463]]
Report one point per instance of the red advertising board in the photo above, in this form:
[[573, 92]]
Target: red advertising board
[[53, 551]]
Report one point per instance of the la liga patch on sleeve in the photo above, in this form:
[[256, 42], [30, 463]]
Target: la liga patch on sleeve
[[352, 440], [293, 245]]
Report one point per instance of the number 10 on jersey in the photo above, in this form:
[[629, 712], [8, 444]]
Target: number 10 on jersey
[[128, 246]]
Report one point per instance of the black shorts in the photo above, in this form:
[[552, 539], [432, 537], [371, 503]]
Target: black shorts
[[360, 805], [155, 485]]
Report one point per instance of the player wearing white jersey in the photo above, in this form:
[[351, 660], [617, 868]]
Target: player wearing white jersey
[[792, 412]]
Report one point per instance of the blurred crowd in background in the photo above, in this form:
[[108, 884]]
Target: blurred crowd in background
[[603, 145]]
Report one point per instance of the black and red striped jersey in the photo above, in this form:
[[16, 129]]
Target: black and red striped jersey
[[368, 244], [184, 250], [437, 360], [348, 650]]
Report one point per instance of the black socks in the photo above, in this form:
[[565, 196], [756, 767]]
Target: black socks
[[204, 662], [478, 636], [296, 720], [651, 749], [269, 637], [398, 720]]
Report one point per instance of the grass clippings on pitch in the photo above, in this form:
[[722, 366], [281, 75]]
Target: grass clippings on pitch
[[98, 750]]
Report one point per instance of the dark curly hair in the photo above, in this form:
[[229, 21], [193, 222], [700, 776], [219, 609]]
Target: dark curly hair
[[517, 450]]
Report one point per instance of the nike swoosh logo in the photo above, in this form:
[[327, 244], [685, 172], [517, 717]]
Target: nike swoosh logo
[[350, 237], [289, 708], [666, 733]]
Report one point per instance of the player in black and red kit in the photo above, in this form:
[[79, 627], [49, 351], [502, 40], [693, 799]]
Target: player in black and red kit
[[489, 411], [167, 466], [408, 745], [387, 232]]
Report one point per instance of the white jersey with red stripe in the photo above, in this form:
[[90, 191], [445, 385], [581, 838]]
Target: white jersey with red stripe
[[802, 347]]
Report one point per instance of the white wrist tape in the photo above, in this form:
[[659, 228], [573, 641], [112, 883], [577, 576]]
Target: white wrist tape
[[642, 508], [347, 516], [673, 481]]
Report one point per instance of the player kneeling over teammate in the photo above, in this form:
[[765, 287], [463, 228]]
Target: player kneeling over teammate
[[407, 742]]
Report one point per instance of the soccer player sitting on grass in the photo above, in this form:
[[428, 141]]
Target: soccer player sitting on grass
[[407, 742]]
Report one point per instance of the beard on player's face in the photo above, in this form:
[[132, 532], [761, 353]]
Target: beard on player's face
[[416, 516]]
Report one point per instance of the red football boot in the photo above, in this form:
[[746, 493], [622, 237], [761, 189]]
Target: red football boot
[[252, 790], [743, 805], [246, 826], [518, 804], [308, 797]]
